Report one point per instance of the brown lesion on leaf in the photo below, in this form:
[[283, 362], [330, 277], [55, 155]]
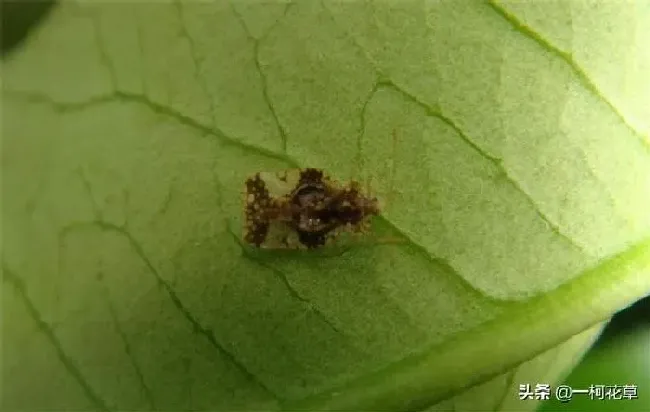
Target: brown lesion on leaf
[[310, 176], [317, 210], [257, 200]]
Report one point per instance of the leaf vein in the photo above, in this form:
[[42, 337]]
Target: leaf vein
[[567, 57], [510, 378], [101, 46], [263, 78], [282, 277], [224, 138], [99, 100], [496, 162], [614, 283], [197, 64], [19, 286], [359, 158], [176, 301], [128, 350]]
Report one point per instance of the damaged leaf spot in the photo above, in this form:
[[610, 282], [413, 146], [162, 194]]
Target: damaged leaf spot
[[303, 209]]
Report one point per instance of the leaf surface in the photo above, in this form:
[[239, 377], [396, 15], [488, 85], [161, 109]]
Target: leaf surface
[[514, 164]]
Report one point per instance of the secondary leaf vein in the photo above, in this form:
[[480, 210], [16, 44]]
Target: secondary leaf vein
[[197, 64], [263, 79], [224, 138], [19, 286], [196, 325], [567, 57], [510, 378], [99, 100], [282, 277], [128, 350], [497, 162]]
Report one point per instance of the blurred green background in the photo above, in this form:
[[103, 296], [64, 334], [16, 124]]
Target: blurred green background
[[620, 356]]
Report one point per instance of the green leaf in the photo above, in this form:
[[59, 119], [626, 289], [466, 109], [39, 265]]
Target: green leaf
[[501, 393], [619, 359], [518, 180]]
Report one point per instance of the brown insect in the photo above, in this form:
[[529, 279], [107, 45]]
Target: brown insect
[[303, 208]]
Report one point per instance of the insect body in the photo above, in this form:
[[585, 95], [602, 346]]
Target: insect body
[[303, 208]]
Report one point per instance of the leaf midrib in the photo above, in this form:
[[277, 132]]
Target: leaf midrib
[[223, 137], [419, 381]]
